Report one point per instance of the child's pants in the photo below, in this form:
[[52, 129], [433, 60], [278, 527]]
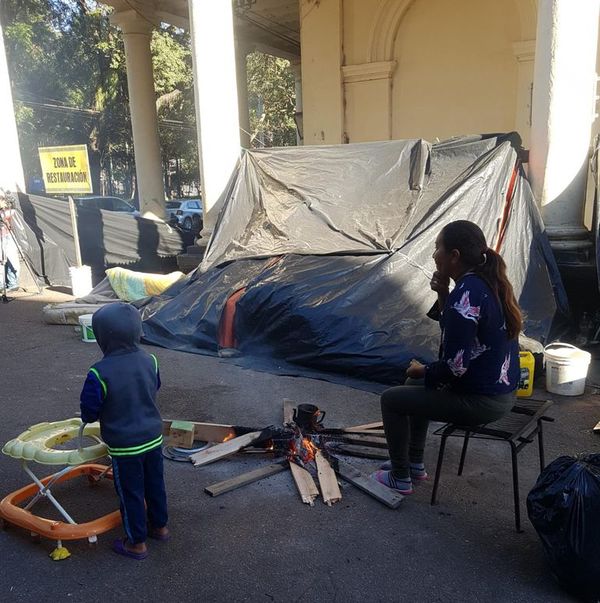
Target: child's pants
[[138, 478]]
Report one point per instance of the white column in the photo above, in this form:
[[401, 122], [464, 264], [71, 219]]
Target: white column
[[242, 89], [563, 110], [11, 168], [137, 32], [297, 69], [215, 91]]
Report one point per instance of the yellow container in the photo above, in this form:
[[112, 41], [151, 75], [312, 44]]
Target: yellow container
[[527, 363]]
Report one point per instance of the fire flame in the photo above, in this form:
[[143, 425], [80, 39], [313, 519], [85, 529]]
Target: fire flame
[[310, 450], [230, 436], [303, 449]]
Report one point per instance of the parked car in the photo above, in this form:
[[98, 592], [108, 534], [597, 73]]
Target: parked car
[[107, 203], [185, 212]]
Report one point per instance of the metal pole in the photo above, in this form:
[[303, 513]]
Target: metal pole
[[75, 231]]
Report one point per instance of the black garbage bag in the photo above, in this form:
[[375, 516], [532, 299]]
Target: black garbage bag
[[564, 508]]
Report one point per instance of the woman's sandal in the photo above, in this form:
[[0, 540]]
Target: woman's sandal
[[416, 476], [385, 478], [120, 548]]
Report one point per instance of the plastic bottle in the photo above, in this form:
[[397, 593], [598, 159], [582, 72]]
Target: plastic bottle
[[527, 364]]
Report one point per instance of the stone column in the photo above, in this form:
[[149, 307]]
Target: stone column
[[563, 111], [298, 113], [241, 52], [216, 96], [11, 168], [137, 32]]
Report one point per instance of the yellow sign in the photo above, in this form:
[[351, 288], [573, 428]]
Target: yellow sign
[[66, 169]]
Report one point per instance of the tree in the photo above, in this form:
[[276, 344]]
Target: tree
[[271, 100], [69, 78]]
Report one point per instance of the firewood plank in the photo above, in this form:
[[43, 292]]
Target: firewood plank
[[365, 427], [362, 451], [327, 480], [363, 482], [206, 432], [597, 428], [224, 449], [288, 410], [245, 478], [364, 440], [305, 483]]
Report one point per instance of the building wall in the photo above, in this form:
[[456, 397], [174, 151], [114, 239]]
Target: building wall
[[456, 71], [415, 68]]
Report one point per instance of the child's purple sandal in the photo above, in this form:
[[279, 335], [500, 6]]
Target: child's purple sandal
[[120, 548]]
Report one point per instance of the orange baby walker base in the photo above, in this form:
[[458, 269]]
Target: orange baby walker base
[[27, 447]]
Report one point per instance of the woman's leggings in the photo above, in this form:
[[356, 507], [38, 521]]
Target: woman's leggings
[[407, 410]]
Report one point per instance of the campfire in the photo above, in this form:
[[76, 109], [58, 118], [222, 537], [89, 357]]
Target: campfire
[[302, 445]]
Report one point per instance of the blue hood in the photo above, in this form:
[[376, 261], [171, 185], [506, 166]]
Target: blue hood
[[117, 328]]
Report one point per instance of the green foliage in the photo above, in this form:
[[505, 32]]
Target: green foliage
[[271, 100], [68, 71]]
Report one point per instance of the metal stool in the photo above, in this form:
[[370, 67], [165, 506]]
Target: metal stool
[[518, 428]]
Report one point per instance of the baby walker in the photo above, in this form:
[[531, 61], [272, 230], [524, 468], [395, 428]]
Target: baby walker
[[38, 445]]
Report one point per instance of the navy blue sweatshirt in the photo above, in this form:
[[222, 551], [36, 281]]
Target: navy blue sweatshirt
[[120, 390], [476, 355]]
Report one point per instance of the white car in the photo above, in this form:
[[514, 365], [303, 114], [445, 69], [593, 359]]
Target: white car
[[185, 212]]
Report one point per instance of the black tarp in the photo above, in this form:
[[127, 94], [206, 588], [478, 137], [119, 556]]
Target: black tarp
[[106, 239], [353, 229]]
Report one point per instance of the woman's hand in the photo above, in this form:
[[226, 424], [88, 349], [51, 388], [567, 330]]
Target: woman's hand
[[440, 283], [416, 370]]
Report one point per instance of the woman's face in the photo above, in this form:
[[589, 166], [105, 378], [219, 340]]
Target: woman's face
[[446, 261]]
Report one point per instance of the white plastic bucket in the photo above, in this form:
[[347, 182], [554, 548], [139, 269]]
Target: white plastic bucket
[[566, 369], [81, 280], [87, 333]]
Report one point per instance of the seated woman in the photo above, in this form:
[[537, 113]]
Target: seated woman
[[477, 373]]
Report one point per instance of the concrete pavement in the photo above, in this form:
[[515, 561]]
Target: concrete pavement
[[260, 543]]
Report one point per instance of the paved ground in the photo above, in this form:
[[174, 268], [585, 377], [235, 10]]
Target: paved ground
[[260, 543]]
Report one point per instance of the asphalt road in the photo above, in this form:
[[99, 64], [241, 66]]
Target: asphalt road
[[260, 543]]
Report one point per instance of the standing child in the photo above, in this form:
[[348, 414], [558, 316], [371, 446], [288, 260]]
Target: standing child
[[120, 391]]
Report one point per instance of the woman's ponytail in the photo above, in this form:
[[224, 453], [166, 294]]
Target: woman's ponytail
[[493, 271]]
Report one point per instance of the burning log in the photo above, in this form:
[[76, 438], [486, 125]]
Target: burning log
[[305, 446], [211, 432], [327, 480], [305, 483]]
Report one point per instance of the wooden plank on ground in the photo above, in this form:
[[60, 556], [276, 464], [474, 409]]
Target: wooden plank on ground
[[224, 449], [365, 427], [305, 483], [597, 428], [363, 482], [330, 490], [245, 478], [288, 410], [206, 432], [364, 440], [363, 451]]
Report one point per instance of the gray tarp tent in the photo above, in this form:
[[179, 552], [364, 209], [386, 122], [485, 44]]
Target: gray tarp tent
[[321, 256]]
